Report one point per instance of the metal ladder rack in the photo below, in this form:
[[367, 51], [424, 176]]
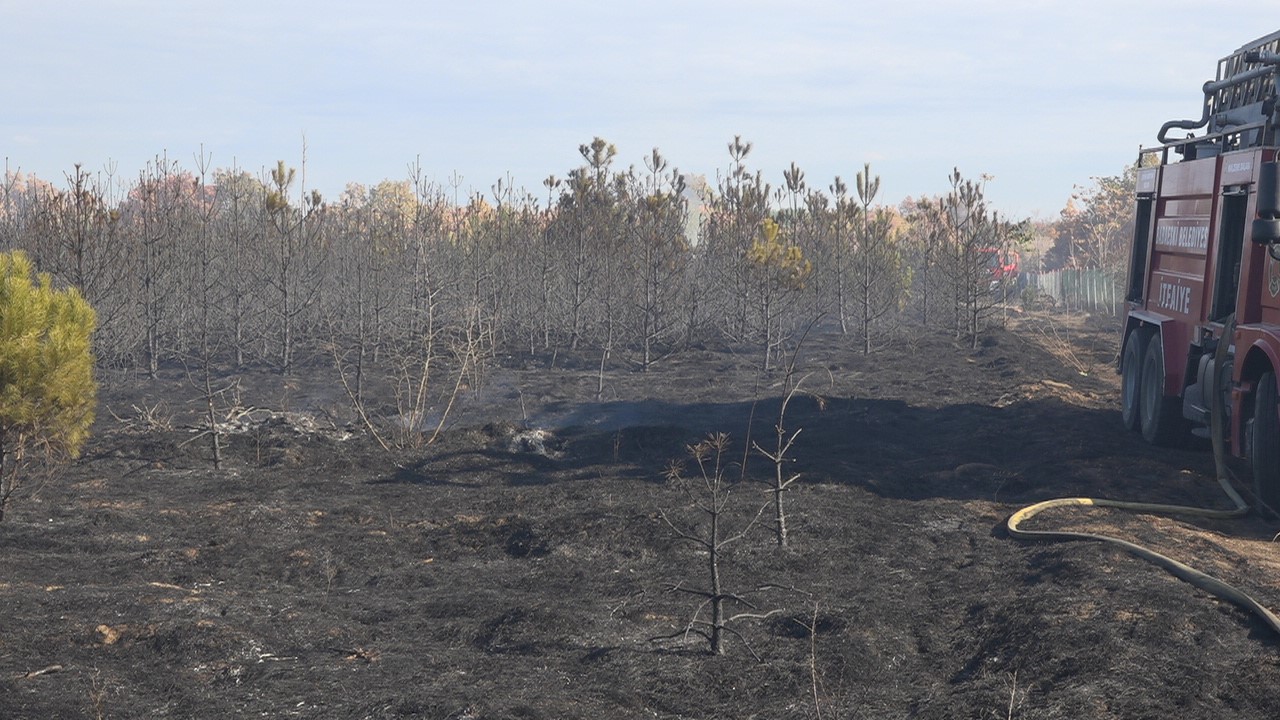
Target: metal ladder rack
[[1239, 106]]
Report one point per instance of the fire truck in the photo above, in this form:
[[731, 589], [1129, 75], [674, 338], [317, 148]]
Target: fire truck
[[1003, 265], [1201, 335]]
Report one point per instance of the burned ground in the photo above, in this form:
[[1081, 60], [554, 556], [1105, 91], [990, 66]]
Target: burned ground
[[520, 566]]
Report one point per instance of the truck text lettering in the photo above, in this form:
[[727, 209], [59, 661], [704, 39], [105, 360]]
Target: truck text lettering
[[1183, 237], [1175, 297]]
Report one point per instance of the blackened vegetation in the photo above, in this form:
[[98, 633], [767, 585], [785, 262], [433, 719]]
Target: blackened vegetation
[[228, 268], [318, 575], [715, 528]]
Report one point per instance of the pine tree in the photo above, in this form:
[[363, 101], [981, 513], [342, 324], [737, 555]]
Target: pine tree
[[780, 269], [47, 387]]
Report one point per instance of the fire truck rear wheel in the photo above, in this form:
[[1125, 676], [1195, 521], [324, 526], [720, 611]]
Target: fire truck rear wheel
[[1161, 419], [1130, 382], [1265, 443]]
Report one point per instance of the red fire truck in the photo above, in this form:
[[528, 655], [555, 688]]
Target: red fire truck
[[1205, 270], [1003, 264]]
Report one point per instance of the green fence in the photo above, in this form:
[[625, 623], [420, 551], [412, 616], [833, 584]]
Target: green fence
[[1087, 289]]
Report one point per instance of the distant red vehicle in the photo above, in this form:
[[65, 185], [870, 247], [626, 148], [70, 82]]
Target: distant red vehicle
[[1204, 271], [1003, 266]]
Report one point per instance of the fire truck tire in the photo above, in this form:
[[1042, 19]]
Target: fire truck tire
[[1161, 419], [1264, 444], [1131, 382]]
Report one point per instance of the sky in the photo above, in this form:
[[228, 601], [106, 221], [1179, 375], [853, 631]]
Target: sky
[[1038, 96]]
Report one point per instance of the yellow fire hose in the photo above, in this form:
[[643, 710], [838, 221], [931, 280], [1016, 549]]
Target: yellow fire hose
[[1180, 570]]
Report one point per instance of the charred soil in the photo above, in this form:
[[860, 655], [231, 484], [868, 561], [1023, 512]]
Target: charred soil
[[521, 567]]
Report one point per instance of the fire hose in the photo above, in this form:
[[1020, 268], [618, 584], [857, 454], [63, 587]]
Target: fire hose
[[1180, 570]]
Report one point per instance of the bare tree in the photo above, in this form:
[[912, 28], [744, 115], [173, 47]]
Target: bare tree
[[241, 226], [709, 495], [734, 215], [544, 262], [817, 237], [524, 273], [208, 289], [802, 215], [780, 454], [582, 225], [294, 259], [965, 238], [839, 222], [77, 235], [880, 276], [658, 255], [158, 215]]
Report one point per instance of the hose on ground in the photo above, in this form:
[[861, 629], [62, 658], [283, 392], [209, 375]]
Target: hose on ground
[[1182, 571]]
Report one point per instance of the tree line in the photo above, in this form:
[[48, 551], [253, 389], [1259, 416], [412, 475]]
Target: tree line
[[224, 266]]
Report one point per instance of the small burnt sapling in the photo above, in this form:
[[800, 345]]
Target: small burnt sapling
[[779, 455], [709, 499]]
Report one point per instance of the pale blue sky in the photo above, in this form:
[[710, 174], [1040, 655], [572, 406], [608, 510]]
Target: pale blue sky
[[1041, 95]]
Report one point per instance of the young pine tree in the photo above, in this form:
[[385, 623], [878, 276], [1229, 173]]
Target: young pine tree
[[780, 269], [47, 388]]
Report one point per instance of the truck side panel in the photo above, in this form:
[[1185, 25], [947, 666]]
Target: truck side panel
[[1180, 241]]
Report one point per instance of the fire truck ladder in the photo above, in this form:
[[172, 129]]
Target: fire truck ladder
[[1239, 108]]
